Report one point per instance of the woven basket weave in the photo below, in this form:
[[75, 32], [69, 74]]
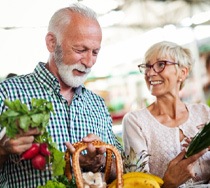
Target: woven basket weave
[[80, 146]]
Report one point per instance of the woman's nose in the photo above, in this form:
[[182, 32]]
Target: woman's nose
[[150, 71]]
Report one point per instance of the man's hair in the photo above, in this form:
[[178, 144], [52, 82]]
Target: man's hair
[[61, 18]]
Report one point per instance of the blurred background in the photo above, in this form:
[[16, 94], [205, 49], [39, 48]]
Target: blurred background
[[129, 28]]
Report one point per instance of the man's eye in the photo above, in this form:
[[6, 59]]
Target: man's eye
[[95, 52], [81, 51], [78, 50]]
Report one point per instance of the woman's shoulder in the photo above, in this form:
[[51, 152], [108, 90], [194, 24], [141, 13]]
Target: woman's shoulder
[[136, 113], [199, 111], [198, 107], [136, 116]]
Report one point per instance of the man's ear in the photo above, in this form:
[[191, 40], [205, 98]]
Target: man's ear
[[50, 40]]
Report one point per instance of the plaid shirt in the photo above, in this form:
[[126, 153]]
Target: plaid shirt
[[86, 114]]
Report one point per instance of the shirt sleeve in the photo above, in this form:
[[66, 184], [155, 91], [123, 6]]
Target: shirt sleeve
[[134, 140]]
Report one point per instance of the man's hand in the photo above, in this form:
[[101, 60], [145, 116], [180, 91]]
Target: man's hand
[[19, 144], [94, 159]]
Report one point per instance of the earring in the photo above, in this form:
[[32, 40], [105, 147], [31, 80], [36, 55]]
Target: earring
[[180, 80]]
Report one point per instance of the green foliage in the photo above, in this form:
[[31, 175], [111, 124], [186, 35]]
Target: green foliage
[[200, 141], [18, 113], [52, 184], [63, 179], [60, 182]]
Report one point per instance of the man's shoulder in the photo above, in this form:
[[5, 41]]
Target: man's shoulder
[[17, 79]]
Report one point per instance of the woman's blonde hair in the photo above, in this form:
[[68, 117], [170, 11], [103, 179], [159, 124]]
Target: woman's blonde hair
[[171, 50], [179, 54]]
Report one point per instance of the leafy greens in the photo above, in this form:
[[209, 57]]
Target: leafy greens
[[200, 141]]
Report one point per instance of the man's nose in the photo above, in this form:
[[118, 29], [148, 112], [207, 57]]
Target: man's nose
[[89, 59]]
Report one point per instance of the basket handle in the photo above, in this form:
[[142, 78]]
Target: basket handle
[[80, 146]]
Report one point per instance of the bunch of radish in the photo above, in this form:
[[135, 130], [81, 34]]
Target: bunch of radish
[[37, 153], [19, 117]]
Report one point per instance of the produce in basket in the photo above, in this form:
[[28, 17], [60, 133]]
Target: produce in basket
[[80, 146], [128, 180], [139, 179], [135, 173]]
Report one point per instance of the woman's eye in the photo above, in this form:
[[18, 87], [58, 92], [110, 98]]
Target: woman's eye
[[161, 64]]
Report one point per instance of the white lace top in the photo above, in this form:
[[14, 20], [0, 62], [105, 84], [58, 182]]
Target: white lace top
[[142, 131]]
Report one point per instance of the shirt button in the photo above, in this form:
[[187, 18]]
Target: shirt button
[[51, 90]]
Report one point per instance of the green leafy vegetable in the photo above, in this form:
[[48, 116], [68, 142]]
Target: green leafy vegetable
[[52, 184], [19, 117], [59, 182], [18, 113], [200, 141]]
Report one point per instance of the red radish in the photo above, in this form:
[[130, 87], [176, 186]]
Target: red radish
[[39, 162], [31, 152], [44, 149]]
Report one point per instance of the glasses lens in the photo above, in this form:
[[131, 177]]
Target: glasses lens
[[159, 66]]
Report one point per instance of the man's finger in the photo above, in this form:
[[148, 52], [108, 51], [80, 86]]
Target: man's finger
[[70, 147], [91, 150], [91, 138]]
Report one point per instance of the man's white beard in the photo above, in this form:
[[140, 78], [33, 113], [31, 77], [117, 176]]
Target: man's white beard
[[66, 74], [66, 71]]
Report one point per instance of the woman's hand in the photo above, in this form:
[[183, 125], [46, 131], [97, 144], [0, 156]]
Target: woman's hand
[[180, 169], [94, 160]]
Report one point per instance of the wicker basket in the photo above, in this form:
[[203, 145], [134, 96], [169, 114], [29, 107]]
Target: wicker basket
[[80, 146]]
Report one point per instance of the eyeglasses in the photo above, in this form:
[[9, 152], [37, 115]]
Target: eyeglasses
[[158, 66]]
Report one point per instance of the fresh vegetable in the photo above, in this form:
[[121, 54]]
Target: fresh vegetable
[[18, 117], [52, 184], [44, 149], [200, 141], [18, 113], [31, 152], [39, 162]]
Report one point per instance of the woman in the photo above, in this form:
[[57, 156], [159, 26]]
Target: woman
[[162, 129]]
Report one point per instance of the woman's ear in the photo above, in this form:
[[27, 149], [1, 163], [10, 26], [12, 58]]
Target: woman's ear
[[184, 73], [50, 40]]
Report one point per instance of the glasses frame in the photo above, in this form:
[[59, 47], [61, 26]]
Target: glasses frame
[[147, 66]]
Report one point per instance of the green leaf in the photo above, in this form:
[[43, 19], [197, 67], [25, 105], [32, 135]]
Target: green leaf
[[12, 130], [52, 184], [10, 113], [24, 122], [37, 118], [58, 162]]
